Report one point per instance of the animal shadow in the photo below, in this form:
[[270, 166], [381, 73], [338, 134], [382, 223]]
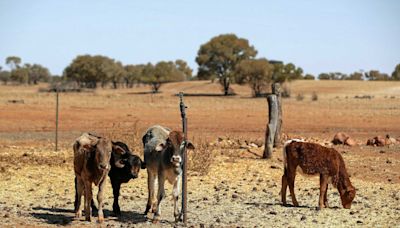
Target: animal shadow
[[54, 215], [61, 216], [132, 217]]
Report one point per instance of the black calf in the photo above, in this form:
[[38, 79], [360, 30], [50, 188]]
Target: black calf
[[123, 168]]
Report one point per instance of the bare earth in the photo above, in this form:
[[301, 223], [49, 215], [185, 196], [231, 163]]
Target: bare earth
[[240, 189]]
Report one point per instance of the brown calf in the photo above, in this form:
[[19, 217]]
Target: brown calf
[[314, 159], [91, 165]]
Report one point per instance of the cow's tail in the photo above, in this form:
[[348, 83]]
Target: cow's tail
[[284, 153]]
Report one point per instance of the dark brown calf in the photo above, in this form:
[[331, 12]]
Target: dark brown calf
[[314, 159]]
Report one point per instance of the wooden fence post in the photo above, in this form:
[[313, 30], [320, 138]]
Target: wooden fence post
[[183, 107], [271, 126], [276, 89], [57, 119]]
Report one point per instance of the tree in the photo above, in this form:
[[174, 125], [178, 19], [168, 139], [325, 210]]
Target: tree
[[219, 57], [117, 73], [256, 72], [88, 70], [375, 75], [332, 76], [133, 74], [20, 75], [13, 62], [355, 76], [309, 77], [396, 73], [323, 76], [286, 72], [161, 73], [5, 77], [36, 73], [182, 66]]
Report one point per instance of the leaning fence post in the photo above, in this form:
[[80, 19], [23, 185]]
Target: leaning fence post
[[276, 89], [271, 126], [56, 119], [184, 171]]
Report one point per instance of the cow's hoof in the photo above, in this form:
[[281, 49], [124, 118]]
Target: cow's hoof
[[155, 221], [101, 219], [117, 213], [178, 219]]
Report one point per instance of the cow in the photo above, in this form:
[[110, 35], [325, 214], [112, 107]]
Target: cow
[[124, 167], [314, 159], [92, 156], [163, 155]]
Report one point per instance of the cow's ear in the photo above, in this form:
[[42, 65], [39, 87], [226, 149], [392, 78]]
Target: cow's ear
[[189, 145], [160, 147], [117, 149]]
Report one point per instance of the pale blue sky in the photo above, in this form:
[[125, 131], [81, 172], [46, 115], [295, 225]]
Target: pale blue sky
[[317, 35]]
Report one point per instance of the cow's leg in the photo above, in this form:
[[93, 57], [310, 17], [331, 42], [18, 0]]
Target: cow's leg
[[326, 197], [160, 196], [284, 187], [175, 193], [323, 185], [100, 200], [151, 178], [88, 199], [116, 187], [291, 175], [79, 188]]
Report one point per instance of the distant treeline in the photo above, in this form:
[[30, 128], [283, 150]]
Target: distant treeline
[[226, 58]]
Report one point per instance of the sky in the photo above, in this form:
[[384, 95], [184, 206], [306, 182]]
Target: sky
[[316, 35]]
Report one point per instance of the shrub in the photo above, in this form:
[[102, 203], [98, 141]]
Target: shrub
[[201, 159], [285, 91], [300, 97], [314, 96]]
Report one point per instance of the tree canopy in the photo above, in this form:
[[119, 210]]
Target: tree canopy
[[88, 70], [396, 73], [219, 57], [286, 72], [257, 73], [13, 62], [162, 72]]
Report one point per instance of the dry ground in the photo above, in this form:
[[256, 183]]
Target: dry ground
[[239, 190]]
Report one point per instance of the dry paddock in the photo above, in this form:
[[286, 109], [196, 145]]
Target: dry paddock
[[238, 189]]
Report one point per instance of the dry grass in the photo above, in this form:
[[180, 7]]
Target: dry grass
[[229, 185]]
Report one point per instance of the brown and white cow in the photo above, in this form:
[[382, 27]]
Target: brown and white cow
[[163, 155], [314, 159]]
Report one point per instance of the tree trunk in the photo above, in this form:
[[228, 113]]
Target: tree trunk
[[276, 89], [271, 126], [226, 86], [115, 85], [156, 87]]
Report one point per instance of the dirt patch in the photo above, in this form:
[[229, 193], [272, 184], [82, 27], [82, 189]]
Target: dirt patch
[[236, 188]]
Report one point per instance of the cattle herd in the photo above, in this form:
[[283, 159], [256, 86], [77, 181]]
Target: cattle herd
[[96, 157]]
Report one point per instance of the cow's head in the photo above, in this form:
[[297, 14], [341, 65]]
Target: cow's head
[[174, 147], [99, 150], [124, 159], [347, 196]]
